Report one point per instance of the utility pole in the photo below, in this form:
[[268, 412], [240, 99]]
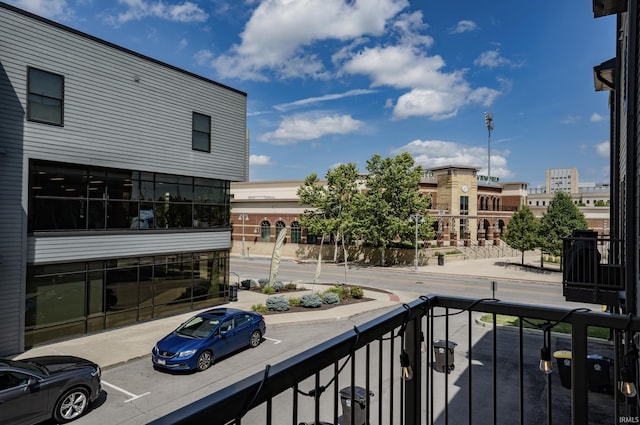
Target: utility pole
[[488, 120]]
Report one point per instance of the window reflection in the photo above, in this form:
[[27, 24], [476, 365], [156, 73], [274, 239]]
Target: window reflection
[[65, 197], [70, 299]]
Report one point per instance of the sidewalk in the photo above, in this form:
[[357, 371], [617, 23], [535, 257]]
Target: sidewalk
[[116, 346]]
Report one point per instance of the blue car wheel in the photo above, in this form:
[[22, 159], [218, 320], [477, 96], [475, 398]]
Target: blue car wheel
[[204, 361]]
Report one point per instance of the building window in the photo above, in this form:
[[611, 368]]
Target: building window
[[201, 134], [72, 299], [45, 99], [464, 205], [279, 227], [265, 231], [64, 197], [295, 232]]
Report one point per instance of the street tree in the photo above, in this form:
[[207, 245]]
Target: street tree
[[522, 233], [381, 215], [559, 222], [330, 212]]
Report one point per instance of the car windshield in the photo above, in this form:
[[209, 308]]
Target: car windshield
[[197, 327]]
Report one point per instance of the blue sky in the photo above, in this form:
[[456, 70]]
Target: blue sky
[[336, 81]]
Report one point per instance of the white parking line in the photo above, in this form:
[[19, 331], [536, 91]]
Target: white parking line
[[275, 341], [131, 395]]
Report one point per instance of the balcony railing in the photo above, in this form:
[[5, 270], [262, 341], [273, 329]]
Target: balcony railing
[[593, 271], [490, 375]]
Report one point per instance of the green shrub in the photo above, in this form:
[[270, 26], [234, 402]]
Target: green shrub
[[291, 286], [259, 308], [278, 303], [357, 292], [341, 291], [263, 281], [278, 285], [294, 302], [330, 298], [268, 290], [310, 301]]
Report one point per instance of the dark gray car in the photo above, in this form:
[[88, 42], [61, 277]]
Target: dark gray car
[[39, 388]]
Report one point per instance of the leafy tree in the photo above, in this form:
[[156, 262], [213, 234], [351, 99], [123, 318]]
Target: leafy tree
[[559, 222], [522, 233], [381, 215], [331, 203]]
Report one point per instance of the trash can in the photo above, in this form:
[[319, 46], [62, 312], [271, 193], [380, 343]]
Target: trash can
[[441, 259], [440, 347], [563, 360], [600, 373], [599, 376], [233, 293], [357, 411]]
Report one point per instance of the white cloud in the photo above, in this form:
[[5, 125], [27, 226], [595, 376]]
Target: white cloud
[[139, 9], [296, 128], [275, 37], [464, 26], [203, 57], [603, 149], [183, 43], [312, 100], [437, 153], [433, 93], [595, 117], [260, 160], [52, 9], [571, 119], [492, 59]]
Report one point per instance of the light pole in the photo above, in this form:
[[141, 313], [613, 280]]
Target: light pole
[[488, 120], [416, 218], [243, 218]]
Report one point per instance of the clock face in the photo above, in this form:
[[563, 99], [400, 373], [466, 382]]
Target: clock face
[[464, 188]]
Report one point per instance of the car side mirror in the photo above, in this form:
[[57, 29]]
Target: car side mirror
[[30, 383], [223, 333]]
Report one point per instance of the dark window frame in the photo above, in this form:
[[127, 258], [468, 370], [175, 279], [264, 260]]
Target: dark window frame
[[59, 123], [198, 132]]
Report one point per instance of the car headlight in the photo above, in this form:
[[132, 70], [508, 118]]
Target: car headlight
[[97, 372], [186, 353]]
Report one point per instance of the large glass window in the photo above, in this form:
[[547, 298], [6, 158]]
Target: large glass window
[[72, 299], [67, 197], [279, 227], [45, 99], [201, 133]]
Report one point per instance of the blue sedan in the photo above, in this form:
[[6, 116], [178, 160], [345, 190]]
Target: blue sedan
[[207, 336]]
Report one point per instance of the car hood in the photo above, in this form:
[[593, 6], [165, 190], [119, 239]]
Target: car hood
[[175, 343], [55, 364]]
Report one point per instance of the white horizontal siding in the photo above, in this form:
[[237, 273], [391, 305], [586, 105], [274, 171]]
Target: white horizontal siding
[[83, 248], [110, 119]]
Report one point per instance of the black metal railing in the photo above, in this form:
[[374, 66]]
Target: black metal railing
[[593, 268], [464, 371]]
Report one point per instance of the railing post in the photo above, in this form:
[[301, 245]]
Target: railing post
[[579, 383], [413, 388]]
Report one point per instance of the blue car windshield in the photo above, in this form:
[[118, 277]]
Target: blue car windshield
[[197, 327]]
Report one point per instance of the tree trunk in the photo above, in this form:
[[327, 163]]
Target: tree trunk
[[522, 261]]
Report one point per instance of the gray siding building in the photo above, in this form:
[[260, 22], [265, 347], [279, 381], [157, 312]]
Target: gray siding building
[[115, 171]]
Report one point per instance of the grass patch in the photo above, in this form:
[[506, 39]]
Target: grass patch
[[564, 328]]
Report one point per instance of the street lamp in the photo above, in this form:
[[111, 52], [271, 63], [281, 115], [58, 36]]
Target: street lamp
[[488, 120], [416, 218], [243, 218]]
